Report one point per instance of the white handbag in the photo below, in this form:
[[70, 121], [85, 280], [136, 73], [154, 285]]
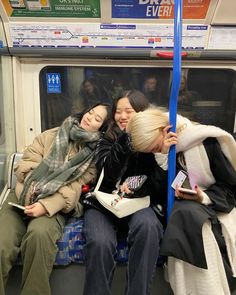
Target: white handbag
[[117, 204]]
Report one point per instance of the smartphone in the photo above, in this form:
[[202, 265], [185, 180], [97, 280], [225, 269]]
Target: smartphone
[[187, 191], [135, 182], [16, 205], [179, 179]]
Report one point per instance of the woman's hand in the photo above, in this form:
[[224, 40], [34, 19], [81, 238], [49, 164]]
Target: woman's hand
[[35, 210], [125, 189], [185, 196], [170, 138]]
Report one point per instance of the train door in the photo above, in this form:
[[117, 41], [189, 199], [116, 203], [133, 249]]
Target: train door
[[7, 118]]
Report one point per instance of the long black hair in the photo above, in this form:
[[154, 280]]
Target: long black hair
[[80, 115], [139, 103]]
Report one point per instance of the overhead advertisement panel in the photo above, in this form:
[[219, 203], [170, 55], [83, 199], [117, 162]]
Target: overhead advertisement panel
[[158, 9], [52, 8]]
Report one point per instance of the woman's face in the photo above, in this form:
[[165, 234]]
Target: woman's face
[[88, 87], [124, 112], [93, 120]]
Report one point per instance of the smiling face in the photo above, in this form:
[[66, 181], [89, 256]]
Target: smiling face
[[124, 112], [93, 120]]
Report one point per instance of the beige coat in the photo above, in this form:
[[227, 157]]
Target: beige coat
[[67, 197]]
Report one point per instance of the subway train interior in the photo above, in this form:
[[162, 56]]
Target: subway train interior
[[59, 56]]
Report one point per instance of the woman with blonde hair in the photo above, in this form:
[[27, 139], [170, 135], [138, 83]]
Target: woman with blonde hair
[[199, 240], [154, 125]]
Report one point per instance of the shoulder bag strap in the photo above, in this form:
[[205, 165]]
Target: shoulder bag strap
[[99, 180]]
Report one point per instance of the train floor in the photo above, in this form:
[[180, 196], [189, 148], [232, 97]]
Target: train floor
[[69, 280]]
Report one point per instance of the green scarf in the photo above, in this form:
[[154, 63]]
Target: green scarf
[[55, 171]]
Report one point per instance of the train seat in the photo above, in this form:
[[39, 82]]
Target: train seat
[[71, 244]]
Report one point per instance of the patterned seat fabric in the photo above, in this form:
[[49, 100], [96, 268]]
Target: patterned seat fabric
[[71, 245]]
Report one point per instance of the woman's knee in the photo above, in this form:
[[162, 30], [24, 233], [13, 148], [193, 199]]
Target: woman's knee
[[43, 231], [99, 231], [185, 208], [146, 224], [101, 241], [9, 251]]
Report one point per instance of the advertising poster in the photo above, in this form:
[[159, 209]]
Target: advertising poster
[[158, 9], [52, 8]]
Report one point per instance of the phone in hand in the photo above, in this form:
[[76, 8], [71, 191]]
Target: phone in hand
[[135, 182], [17, 205], [182, 181], [187, 191]]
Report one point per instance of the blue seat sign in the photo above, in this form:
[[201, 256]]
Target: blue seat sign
[[53, 83]]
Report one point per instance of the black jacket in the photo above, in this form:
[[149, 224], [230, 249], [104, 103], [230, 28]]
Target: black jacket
[[183, 236], [119, 162]]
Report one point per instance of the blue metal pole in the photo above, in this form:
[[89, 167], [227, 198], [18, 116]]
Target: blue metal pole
[[174, 98]]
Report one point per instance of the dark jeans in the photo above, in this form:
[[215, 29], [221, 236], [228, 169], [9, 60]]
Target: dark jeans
[[144, 234]]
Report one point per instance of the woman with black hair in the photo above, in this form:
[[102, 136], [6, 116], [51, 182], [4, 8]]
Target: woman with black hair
[[142, 229], [49, 176]]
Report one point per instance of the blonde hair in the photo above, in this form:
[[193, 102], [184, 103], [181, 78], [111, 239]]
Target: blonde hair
[[144, 127]]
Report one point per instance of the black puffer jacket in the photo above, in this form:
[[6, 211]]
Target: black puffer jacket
[[119, 162]]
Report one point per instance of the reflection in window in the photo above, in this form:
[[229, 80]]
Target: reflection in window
[[209, 97], [206, 95]]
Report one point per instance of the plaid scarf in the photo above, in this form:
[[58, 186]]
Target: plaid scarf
[[55, 170]]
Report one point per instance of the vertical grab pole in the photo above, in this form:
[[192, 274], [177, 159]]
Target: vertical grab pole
[[174, 98]]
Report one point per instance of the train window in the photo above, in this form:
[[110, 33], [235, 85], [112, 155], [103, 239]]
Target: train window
[[206, 95], [209, 96], [68, 90]]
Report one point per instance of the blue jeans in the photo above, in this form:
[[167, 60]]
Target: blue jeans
[[144, 234]]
